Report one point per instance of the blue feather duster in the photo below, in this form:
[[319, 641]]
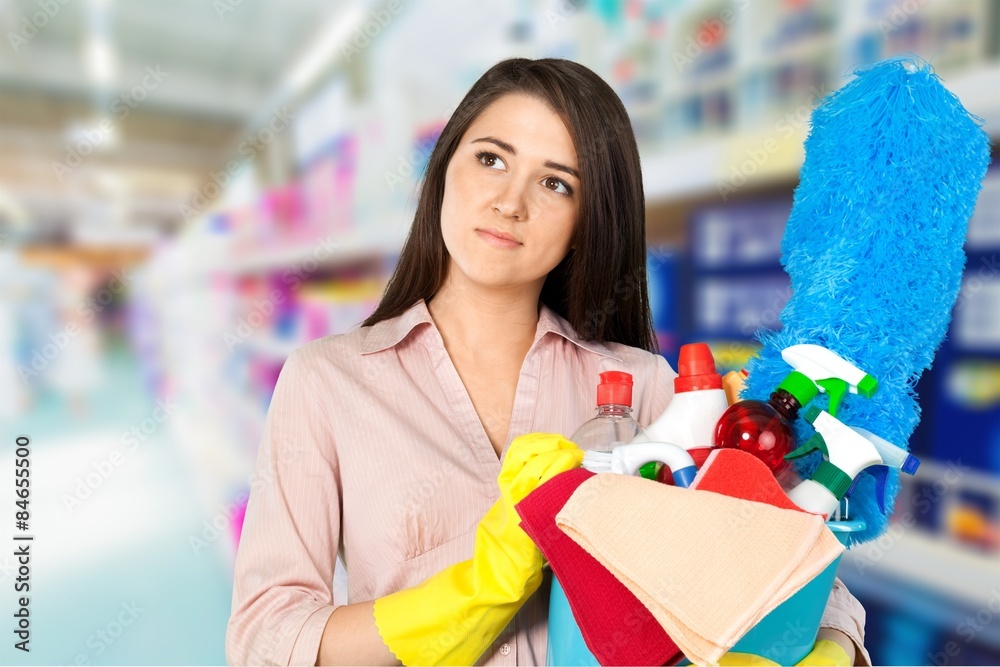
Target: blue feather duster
[[874, 249]]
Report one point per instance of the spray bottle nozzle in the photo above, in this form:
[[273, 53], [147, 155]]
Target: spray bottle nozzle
[[893, 456], [831, 373]]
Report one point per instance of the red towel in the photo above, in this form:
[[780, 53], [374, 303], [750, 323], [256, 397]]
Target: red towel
[[739, 474], [616, 627]]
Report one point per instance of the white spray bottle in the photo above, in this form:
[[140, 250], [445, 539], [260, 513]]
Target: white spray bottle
[[848, 453], [766, 428], [893, 456], [832, 373]]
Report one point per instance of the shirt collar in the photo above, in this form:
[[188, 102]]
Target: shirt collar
[[389, 333]]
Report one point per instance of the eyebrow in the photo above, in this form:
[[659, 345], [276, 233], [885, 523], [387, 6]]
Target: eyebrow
[[510, 149]]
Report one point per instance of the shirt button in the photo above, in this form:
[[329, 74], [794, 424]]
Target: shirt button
[[504, 648]]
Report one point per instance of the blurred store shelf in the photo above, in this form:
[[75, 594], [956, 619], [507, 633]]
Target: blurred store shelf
[[913, 554], [710, 164], [345, 250], [273, 348]]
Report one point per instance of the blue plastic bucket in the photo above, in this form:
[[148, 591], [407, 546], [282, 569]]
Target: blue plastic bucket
[[786, 635]]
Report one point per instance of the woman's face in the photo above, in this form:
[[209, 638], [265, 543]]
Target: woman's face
[[514, 173]]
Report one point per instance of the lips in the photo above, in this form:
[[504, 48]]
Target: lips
[[493, 231]]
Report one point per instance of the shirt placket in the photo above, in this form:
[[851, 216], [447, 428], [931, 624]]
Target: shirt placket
[[505, 649], [459, 401]]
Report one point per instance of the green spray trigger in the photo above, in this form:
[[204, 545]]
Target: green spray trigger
[[836, 388], [816, 442]]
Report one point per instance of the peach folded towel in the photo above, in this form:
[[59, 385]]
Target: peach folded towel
[[706, 565]]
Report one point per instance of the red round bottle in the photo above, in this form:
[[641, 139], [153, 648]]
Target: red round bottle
[[764, 428]]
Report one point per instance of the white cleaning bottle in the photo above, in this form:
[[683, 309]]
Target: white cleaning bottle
[[848, 452], [699, 400]]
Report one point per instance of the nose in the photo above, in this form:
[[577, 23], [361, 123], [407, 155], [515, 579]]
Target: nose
[[510, 201]]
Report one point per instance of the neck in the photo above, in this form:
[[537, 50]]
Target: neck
[[485, 323]]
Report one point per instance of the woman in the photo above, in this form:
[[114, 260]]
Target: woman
[[523, 277]]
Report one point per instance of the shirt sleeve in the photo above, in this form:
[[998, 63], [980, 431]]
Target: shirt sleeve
[[282, 596], [844, 612]]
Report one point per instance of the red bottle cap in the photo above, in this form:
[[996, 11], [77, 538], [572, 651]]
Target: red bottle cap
[[696, 369], [615, 389]]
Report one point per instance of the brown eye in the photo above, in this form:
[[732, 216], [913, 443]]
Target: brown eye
[[488, 159], [566, 190]]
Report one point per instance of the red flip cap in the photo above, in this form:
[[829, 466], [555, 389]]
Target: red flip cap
[[615, 389], [696, 369]]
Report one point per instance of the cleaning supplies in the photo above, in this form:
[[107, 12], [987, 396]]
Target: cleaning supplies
[[741, 475], [453, 616], [593, 618], [831, 372], [697, 404], [825, 653], [849, 453], [730, 568], [874, 247], [766, 428], [892, 457], [613, 425], [628, 459], [733, 383]]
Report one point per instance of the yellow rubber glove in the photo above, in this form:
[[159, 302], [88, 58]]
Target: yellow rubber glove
[[748, 659], [452, 617], [824, 653]]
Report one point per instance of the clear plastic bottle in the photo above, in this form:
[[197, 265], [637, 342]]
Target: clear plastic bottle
[[613, 425]]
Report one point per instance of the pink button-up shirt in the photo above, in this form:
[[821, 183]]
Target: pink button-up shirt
[[373, 449]]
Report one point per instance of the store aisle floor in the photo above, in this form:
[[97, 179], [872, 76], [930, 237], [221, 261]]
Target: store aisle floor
[[114, 578]]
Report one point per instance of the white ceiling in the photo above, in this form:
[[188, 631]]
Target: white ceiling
[[222, 60]]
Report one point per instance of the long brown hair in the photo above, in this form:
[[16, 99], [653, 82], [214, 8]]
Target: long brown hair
[[600, 286]]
